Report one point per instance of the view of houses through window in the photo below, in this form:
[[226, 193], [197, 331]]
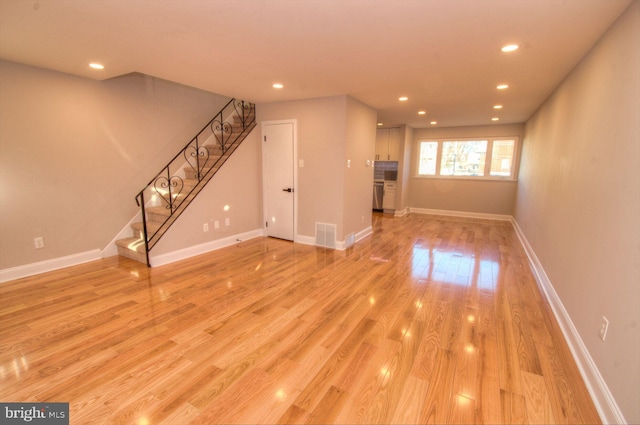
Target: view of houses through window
[[481, 158]]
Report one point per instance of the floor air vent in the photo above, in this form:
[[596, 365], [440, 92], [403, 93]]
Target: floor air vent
[[326, 235]]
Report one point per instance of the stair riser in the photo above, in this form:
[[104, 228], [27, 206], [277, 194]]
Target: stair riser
[[133, 255], [190, 173], [156, 218], [238, 121]]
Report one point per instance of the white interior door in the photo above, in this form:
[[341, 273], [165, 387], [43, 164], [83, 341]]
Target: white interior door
[[278, 169]]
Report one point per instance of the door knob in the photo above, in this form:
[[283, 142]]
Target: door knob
[[289, 189]]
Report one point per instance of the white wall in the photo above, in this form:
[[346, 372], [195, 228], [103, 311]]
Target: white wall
[[578, 202]]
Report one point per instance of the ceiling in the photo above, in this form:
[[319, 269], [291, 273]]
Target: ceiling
[[444, 55]]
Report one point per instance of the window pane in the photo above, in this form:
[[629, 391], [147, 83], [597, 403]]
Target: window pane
[[428, 155], [463, 158], [502, 157]]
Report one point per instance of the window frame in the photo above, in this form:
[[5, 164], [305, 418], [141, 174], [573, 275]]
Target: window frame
[[488, 159]]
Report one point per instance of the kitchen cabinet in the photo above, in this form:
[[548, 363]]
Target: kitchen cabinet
[[388, 142], [382, 144], [389, 197]]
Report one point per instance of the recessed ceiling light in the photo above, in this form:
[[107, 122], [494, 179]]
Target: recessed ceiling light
[[379, 123], [422, 112], [277, 86], [96, 65], [497, 106], [433, 122], [403, 99], [502, 86], [510, 48], [495, 119]]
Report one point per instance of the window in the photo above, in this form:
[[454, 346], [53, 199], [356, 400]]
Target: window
[[428, 157], [473, 158], [463, 158], [502, 157]]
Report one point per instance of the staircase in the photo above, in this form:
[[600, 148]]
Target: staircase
[[171, 191]]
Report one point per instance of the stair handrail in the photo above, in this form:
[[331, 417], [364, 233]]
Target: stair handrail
[[223, 132]]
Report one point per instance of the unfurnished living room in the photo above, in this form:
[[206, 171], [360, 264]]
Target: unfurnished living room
[[332, 211]]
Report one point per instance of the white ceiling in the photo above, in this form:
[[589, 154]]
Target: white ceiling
[[443, 54]]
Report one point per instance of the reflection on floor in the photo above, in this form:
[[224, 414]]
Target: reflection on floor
[[430, 319]]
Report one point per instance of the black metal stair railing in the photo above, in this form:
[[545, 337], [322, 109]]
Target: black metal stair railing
[[176, 185]]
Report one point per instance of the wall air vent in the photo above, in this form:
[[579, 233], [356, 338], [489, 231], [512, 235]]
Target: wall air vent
[[326, 235]]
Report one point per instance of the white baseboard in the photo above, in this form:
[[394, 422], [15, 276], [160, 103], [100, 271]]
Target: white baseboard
[[49, 265], [340, 245], [402, 212], [465, 214], [602, 398], [364, 233], [305, 240], [182, 254]]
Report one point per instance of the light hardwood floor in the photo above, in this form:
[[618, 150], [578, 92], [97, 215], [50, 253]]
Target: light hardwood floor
[[429, 320]]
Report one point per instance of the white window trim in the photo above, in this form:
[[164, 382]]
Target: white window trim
[[515, 162]]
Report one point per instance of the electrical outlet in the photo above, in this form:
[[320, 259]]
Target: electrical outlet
[[227, 221], [38, 242], [216, 224], [205, 227], [604, 327]]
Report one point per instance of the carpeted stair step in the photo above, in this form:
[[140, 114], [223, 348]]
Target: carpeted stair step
[[157, 214], [132, 248], [138, 228]]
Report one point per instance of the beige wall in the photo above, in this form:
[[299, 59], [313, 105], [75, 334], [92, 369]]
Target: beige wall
[[578, 202], [323, 128], [404, 170], [358, 183], [74, 152], [466, 195], [237, 185]]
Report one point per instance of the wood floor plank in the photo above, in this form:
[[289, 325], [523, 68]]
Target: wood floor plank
[[375, 375], [387, 395], [441, 389], [537, 400], [462, 410], [488, 390], [514, 409], [310, 397], [410, 404], [431, 319]]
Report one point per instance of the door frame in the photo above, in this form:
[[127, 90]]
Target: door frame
[[263, 124]]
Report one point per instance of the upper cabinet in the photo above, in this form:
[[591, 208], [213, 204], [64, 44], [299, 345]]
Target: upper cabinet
[[388, 142], [395, 143], [382, 144]]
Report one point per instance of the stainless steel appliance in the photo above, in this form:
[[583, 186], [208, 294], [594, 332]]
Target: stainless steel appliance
[[378, 190], [390, 175]]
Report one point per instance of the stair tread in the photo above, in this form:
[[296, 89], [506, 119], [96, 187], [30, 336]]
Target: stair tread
[[160, 210], [151, 226]]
